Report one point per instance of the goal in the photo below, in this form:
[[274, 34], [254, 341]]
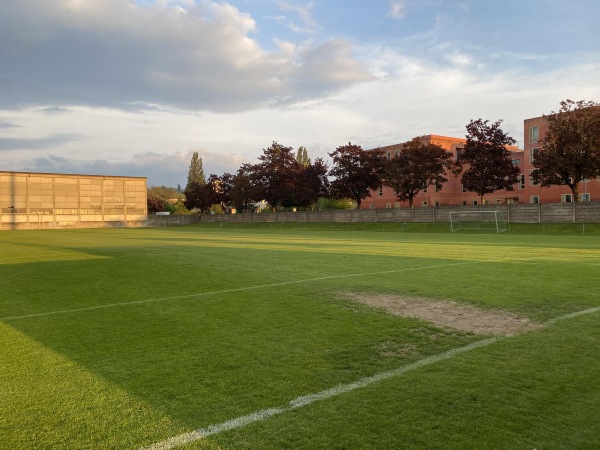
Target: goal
[[477, 220]]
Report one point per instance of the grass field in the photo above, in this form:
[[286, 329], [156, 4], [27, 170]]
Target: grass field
[[127, 338]]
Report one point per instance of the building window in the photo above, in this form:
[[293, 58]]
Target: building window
[[516, 162], [522, 181], [423, 204], [534, 135], [424, 190], [464, 203], [397, 205], [532, 182], [388, 205], [388, 155], [462, 187], [474, 202], [372, 205], [458, 153], [566, 198], [585, 197], [533, 154], [381, 191], [437, 203], [498, 201], [534, 199], [397, 153]]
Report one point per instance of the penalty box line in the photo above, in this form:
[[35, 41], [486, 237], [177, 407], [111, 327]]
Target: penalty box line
[[299, 402], [228, 291]]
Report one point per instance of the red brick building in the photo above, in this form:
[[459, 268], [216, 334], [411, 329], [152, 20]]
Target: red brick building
[[452, 193]]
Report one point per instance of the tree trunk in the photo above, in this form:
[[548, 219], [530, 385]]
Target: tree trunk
[[575, 190]]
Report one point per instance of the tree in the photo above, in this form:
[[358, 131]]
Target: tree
[[242, 191], [167, 193], [311, 183], [155, 203], [198, 196], [571, 147], [355, 172], [302, 157], [489, 162], [417, 166], [218, 190], [332, 203], [163, 198], [196, 172], [275, 177]]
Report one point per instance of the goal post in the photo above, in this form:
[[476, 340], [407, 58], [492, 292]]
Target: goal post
[[478, 220]]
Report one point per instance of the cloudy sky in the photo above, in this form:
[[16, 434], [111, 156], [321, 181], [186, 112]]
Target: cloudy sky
[[133, 87]]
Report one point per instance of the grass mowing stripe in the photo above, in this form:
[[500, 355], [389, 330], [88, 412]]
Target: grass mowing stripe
[[238, 422], [228, 291]]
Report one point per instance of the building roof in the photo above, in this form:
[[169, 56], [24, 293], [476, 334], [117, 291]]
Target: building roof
[[69, 174]]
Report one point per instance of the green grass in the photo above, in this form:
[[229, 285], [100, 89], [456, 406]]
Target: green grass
[[122, 338], [585, 229]]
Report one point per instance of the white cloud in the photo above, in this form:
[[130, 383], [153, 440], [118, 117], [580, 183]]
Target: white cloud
[[190, 55], [303, 12], [397, 10]]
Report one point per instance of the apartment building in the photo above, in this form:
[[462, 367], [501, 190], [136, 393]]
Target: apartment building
[[452, 192]]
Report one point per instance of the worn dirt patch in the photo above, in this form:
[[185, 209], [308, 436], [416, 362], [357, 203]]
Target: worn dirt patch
[[449, 314]]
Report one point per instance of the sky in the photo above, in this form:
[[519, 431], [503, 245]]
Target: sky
[[134, 87]]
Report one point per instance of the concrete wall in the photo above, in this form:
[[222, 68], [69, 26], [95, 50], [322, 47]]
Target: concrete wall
[[513, 213]]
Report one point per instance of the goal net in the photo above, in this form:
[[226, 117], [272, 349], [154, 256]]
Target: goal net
[[477, 220]]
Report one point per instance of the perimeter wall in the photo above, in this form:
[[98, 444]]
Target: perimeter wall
[[513, 213]]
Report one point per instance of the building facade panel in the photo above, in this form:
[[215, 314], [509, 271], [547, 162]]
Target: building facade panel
[[43, 199]]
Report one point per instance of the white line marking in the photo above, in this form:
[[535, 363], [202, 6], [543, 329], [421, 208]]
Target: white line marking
[[574, 314], [227, 291], [299, 402]]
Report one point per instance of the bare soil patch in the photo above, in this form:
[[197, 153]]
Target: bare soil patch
[[449, 314]]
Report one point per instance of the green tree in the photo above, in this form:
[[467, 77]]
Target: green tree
[[488, 162], [332, 203], [355, 172], [417, 166], [302, 157], [168, 193], [571, 147], [166, 199], [196, 172]]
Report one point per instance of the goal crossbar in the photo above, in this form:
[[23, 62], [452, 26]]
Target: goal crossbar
[[477, 220]]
